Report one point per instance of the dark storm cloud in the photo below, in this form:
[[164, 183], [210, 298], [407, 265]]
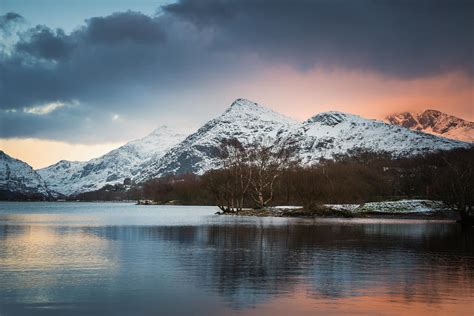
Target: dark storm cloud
[[45, 43], [73, 122], [109, 62], [9, 18], [405, 38], [130, 26], [20, 124], [107, 53], [107, 66]]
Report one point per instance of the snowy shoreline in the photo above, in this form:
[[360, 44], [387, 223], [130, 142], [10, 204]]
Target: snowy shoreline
[[402, 209]]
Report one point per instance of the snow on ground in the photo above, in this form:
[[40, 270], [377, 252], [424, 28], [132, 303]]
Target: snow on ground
[[288, 207], [399, 207], [342, 207], [396, 207]]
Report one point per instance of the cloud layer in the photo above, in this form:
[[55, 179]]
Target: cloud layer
[[398, 38], [126, 63]]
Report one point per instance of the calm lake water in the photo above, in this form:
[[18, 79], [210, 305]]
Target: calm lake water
[[123, 259]]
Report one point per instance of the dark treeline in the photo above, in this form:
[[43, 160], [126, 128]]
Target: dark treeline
[[266, 175], [187, 189]]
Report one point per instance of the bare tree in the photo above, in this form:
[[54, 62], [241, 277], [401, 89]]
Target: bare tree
[[249, 172], [268, 159], [230, 183], [454, 182]]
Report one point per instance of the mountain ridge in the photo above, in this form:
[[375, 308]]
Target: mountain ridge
[[166, 151], [435, 122], [322, 136]]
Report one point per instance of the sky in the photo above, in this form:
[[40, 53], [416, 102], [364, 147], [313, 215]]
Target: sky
[[78, 78]]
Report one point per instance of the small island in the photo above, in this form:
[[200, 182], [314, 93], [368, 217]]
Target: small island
[[402, 209]]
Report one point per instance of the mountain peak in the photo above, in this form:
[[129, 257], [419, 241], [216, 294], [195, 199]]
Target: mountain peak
[[242, 102], [163, 129], [432, 112], [244, 105], [331, 118], [435, 122], [245, 110]]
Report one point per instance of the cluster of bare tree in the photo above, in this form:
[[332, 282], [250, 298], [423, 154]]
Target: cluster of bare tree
[[451, 176], [268, 173], [248, 172]]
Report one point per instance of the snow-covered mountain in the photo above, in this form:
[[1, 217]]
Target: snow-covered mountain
[[71, 177], [322, 136], [243, 120], [332, 133], [436, 123], [19, 181], [166, 151]]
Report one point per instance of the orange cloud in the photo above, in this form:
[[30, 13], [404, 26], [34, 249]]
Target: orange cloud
[[303, 94]]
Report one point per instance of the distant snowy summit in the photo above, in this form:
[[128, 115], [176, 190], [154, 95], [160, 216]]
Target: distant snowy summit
[[72, 177], [436, 123], [19, 181]]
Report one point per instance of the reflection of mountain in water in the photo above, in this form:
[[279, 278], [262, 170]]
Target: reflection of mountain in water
[[249, 264]]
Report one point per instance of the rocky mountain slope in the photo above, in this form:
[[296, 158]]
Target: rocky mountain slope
[[71, 177], [322, 136], [436, 123], [19, 181]]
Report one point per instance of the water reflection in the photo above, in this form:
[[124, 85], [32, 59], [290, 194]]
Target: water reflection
[[333, 261], [237, 267]]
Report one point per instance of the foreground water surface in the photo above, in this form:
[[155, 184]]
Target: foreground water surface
[[123, 259]]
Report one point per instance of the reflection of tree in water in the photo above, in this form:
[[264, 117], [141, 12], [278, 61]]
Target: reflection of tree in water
[[249, 264]]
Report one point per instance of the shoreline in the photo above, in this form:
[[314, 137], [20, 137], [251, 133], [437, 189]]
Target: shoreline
[[403, 209], [451, 216]]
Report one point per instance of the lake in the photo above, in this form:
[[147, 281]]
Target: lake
[[124, 259]]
